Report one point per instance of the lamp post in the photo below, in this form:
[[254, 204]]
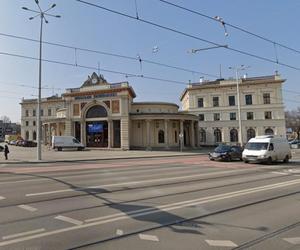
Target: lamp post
[[237, 69], [42, 14], [202, 49]]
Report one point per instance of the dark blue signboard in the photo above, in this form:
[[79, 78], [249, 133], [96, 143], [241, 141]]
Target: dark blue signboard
[[95, 128]]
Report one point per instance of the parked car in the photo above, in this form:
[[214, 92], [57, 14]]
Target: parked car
[[13, 142], [29, 144], [226, 152], [295, 143], [1, 148], [19, 142]]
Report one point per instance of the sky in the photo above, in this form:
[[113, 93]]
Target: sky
[[88, 27]]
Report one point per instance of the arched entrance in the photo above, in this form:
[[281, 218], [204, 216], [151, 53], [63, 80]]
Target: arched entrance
[[96, 127]]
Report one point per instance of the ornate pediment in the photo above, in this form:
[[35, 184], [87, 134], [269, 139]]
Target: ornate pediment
[[94, 80]]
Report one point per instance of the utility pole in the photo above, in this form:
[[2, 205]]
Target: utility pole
[[40, 13]]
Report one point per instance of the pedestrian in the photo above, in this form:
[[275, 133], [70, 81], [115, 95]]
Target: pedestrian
[[6, 152]]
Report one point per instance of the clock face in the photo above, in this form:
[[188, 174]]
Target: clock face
[[94, 80]]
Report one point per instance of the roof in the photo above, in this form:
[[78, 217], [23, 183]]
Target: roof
[[155, 103]]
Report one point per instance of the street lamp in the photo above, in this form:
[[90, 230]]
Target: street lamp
[[42, 14], [213, 47], [237, 69]]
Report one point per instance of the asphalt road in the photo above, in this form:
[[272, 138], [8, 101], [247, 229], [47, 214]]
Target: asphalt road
[[159, 203]]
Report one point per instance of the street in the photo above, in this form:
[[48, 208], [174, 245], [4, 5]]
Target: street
[[178, 202]]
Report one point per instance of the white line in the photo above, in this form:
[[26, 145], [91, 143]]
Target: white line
[[136, 182], [28, 208], [221, 243], [11, 236], [148, 237], [68, 219], [2, 198], [119, 232], [295, 240], [159, 209], [275, 172]]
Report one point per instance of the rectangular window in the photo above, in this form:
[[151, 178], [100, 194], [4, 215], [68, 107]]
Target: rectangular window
[[115, 106], [249, 115], [267, 98], [26, 123], [268, 115], [76, 109], [26, 113], [33, 113], [201, 117], [216, 117], [232, 116], [215, 101], [248, 99], [42, 112], [49, 112], [33, 123], [200, 103], [231, 100]]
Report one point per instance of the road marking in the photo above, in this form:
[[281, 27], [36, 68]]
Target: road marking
[[136, 182], [68, 219], [275, 172], [221, 243], [148, 237], [28, 208], [11, 236], [295, 240], [2, 198], [119, 232], [154, 210]]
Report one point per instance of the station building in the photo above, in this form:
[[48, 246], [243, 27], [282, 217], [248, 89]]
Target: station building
[[104, 115]]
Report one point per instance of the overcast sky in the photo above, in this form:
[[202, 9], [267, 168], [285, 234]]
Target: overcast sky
[[88, 27]]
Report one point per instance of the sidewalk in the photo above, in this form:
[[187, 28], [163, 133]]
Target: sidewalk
[[28, 155]]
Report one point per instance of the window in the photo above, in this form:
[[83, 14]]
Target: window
[[234, 135], [231, 100], [232, 116], [34, 135], [215, 101], [33, 123], [250, 133], [33, 113], [139, 125], [249, 115], [161, 136], [267, 98], [269, 131], [248, 99], [76, 109], [49, 112], [42, 112], [200, 103], [201, 117], [115, 106], [26, 113], [268, 115], [27, 135], [202, 135], [218, 135], [216, 117], [96, 111], [26, 123]]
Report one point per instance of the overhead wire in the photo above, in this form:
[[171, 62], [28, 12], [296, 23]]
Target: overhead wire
[[76, 49], [232, 26], [188, 35]]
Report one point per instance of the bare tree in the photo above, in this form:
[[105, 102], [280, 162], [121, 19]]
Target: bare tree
[[292, 119], [6, 122]]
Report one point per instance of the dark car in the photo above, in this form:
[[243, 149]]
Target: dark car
[[1, 148], [29, 144], [226, 153]]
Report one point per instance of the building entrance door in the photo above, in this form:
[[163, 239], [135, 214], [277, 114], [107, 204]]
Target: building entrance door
[[97, 134]]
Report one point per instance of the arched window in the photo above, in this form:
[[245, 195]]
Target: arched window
[[96, 111], [234, 135], [202, 135], [34, 136], [161, 136], [218, 135], [269, 131], [250, 133], [27, 135]]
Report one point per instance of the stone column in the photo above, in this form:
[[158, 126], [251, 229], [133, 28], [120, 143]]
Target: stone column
[[192, 135], [109, 123], [166, 134], [82, 134], [181, 138], [197, 134], [57, 128], [68, 128], [125, 133], [148, 144]]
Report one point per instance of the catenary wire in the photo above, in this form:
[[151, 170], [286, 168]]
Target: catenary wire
[[231, 25], [188, 35]]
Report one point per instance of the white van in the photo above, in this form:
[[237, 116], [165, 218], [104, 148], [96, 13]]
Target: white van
[[267, 148], [60, 142]]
